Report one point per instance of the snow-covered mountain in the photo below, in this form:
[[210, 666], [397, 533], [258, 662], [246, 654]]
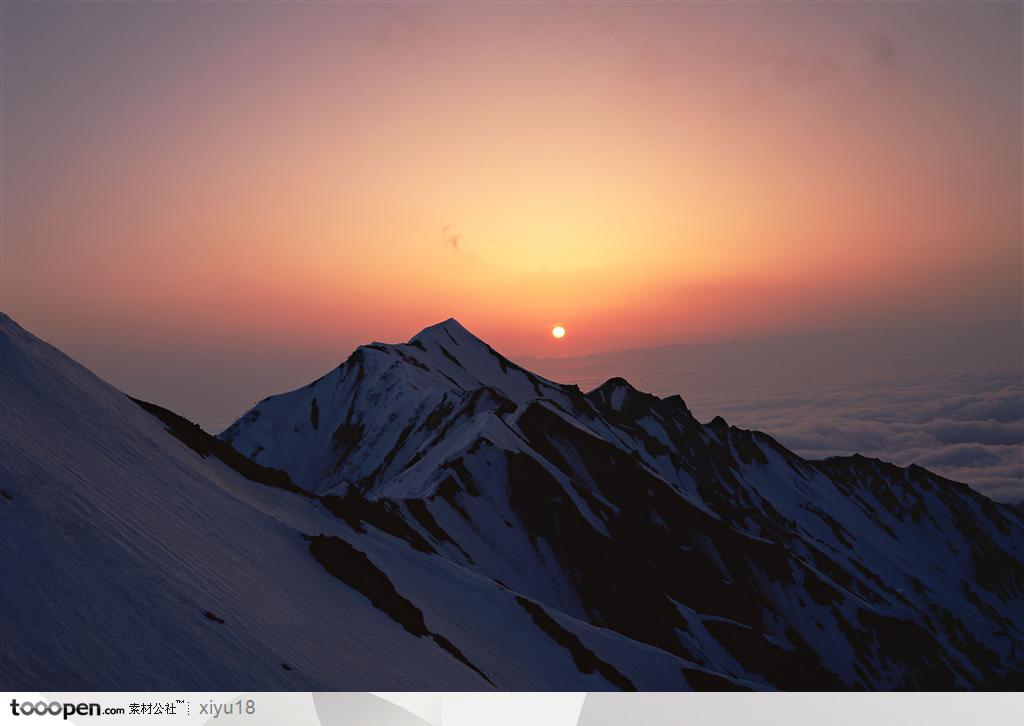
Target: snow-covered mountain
[[431, 516]]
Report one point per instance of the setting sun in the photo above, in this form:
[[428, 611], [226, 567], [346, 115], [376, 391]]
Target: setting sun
[[558, 331]]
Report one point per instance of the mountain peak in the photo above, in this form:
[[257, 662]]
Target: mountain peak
[[447, 332], [615, 383], [615, 392]]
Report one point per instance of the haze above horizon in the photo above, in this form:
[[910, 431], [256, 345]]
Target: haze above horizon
[[208, 202], [182, 174]]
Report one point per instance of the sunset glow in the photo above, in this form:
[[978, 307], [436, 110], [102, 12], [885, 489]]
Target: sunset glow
[[229, 177]]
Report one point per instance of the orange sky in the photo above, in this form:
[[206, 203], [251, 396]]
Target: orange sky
[[315, 176]]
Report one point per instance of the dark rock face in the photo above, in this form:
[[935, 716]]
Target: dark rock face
[[354, 568], [586, 660], [204, 444]]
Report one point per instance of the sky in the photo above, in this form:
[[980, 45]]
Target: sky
[[207, 203]]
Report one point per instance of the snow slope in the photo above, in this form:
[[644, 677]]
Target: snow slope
[[130, 561]]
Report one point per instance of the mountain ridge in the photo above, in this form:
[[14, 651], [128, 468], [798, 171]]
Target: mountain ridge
[[486, 528], [454, 441]]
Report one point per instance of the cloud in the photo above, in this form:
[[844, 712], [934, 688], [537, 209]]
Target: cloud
[[968, 427], [450, 237], [882, 50], [990, 431], [398, 26], [803, 68], [786, 64]]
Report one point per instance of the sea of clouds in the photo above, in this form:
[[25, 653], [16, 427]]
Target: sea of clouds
[[967, 427], [950, 401]]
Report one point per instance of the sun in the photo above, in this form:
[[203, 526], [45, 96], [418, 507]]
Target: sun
[[558, 331]]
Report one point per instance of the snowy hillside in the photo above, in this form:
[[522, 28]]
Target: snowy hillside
[[620, 509], [431, 516]]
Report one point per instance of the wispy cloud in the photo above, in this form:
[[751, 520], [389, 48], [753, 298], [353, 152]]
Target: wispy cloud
[[451, 238], [882, 50]]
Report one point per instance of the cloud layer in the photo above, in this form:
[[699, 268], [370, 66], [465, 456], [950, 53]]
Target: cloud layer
[[969, 427], [948, 403]]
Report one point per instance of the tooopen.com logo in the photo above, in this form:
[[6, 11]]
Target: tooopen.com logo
[[56, 708]]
